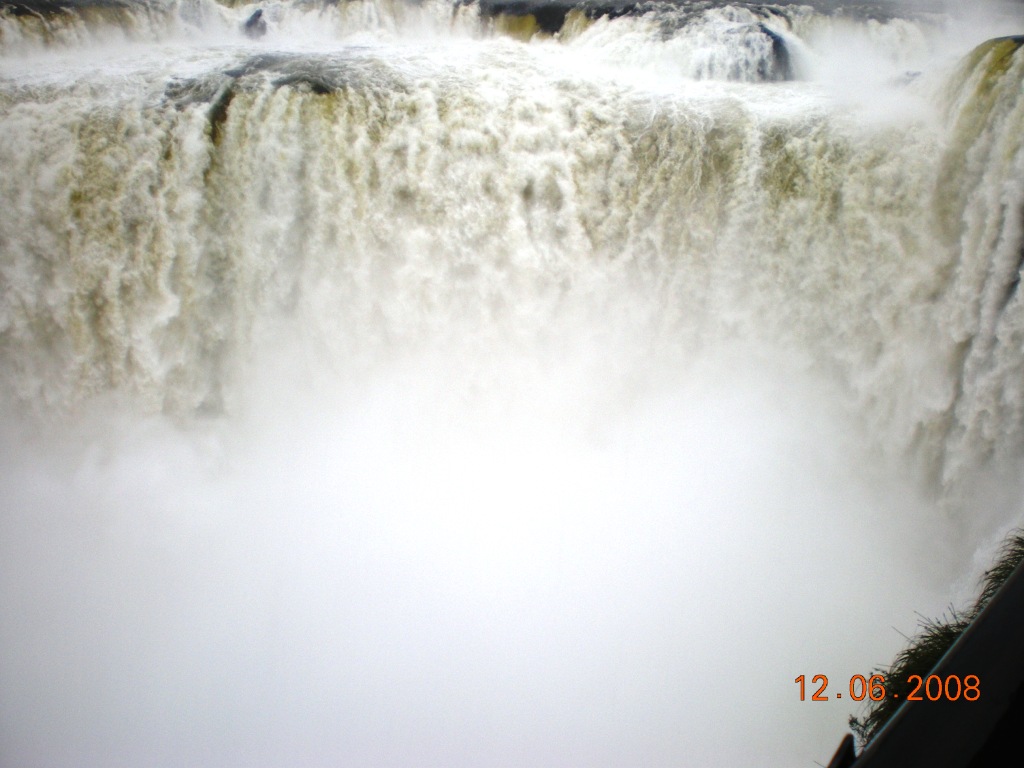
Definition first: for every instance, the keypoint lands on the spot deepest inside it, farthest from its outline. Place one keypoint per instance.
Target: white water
(513, 404)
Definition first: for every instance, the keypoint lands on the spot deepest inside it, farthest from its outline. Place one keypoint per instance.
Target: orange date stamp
(933, 688)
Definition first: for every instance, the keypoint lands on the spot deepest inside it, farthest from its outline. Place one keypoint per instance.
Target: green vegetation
(935, 637)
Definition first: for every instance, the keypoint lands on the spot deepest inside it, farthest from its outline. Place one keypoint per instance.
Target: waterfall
(466, 383)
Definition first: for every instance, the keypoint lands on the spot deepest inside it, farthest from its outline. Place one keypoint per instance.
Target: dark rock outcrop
(781, 67)
(550, 14)
(255, 26)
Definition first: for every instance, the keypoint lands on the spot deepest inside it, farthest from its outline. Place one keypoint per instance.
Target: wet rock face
(781, 67)
(550, 14)
(255, 26)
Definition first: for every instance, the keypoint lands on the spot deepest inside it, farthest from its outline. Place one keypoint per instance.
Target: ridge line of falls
(426, 384)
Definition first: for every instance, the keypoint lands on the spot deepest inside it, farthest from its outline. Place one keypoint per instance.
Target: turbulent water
(494, 385)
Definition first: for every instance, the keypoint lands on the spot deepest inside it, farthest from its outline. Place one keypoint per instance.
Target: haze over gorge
(484, 384)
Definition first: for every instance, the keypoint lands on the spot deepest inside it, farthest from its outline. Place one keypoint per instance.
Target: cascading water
(415, 386)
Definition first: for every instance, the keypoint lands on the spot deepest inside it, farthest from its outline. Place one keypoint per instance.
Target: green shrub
(933, 639)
